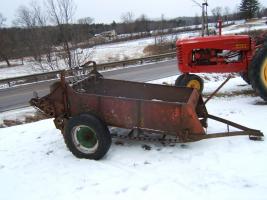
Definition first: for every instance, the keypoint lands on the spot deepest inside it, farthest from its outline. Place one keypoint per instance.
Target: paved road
(17, 97)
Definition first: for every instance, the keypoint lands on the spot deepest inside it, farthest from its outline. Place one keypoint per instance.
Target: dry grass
(8, 122)
(27, 119)
(36, 117)
(159, 48)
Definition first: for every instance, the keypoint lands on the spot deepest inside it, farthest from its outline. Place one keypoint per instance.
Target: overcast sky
(108, 10)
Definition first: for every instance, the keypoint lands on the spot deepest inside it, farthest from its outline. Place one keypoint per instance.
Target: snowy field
(100, 54)
(35, 163)
(243, 26)
(122, 50)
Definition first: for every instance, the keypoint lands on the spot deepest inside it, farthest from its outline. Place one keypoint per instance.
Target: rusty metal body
(125, 104)
(175, 111)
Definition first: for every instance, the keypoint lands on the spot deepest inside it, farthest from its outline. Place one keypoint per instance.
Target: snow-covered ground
(35, 163)
(17, 115)
(246, 27)
(212, 81)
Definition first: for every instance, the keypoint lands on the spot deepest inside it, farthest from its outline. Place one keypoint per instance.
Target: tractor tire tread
(254, 73)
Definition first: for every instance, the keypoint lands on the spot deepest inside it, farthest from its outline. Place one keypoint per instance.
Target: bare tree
(61, 13)
(226, 13)
(217, 13)
(25, 18)
(86, 20)
(38, 14)
(159, 33)
(44, 35)
(162, 27)
(5, 46)
(127, 17)
(197, 20)
(6, 42)
(142, 24)
(32, 20)
(2, 20)
(128, 20)
(264, 11)
(38, 40)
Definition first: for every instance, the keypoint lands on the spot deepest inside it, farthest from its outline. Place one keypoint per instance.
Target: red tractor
(222, 54)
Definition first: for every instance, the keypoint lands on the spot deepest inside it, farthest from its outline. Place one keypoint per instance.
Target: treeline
(22, 42)
(34, 41)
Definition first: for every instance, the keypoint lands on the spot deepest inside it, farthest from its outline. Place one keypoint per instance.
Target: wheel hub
(84, 139)
(193, 84)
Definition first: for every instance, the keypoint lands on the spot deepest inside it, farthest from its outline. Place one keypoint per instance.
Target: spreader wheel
(258, 73)
(191, 81)
(87, 137)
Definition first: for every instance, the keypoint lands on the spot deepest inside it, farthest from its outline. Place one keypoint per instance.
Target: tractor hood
(231, 42)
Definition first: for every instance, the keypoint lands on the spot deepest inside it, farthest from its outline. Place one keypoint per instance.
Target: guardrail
(8, 82)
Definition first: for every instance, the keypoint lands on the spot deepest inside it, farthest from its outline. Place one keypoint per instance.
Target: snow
(36, 164)
(100, 54)
(212, 81)
(17, 115)
(243, 27)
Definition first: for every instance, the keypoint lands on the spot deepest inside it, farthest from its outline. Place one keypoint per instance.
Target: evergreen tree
(249, 8)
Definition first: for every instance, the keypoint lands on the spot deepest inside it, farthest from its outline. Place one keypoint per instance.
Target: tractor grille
(180, 54)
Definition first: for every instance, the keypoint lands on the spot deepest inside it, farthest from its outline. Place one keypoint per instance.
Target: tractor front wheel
(258, 73)
(87, 137)
(191, 81)
(179, 79)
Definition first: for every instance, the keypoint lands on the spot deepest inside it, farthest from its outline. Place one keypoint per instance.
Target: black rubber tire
(179, 79)
(184, 81)
(255, 72)
(245, 77)
(100, 129)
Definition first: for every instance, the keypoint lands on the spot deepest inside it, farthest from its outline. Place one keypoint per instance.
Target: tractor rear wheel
(258, 73)
(245, 77)
(191, 81)
(87, 137)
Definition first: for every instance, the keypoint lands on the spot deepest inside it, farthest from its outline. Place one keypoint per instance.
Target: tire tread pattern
(254, 73)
